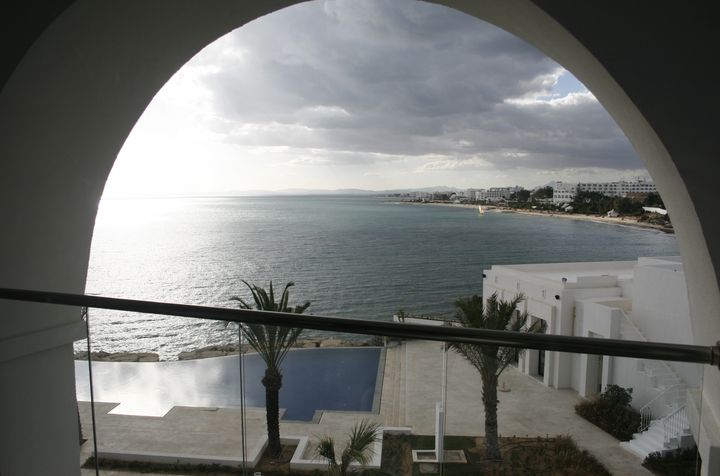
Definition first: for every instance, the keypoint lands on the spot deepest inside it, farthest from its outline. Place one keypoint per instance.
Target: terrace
(413, 370)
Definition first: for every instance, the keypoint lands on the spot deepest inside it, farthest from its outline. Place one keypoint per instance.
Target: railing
(675, 424)
(582, 345)
(646, 415)
(399, 390)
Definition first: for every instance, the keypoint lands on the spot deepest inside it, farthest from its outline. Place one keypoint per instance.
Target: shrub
(616, 396)
(681, 462)
(571, 460)
(612, 412)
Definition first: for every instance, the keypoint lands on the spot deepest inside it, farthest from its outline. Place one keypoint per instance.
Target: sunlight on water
(351, 256)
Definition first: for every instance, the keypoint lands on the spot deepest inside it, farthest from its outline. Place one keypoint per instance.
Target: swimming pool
(314, 380)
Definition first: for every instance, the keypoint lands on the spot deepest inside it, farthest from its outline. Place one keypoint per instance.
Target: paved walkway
(411, 387)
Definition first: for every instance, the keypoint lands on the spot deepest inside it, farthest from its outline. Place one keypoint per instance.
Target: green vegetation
(272, 344)
(681, 462)
(185, 468)
(612, 412)
(523, 457)
(359, 449)
(490, 360)
(594, 203)
(540, 199)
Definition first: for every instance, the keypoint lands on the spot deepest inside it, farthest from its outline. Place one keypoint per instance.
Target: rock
(211, 351)
(119, 356)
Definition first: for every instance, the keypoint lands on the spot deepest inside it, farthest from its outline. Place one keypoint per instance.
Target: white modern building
(629, 300)
(619, 189)
(495, 194)
(564, 192)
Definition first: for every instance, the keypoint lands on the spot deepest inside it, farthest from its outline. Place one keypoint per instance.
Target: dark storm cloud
(403, 78)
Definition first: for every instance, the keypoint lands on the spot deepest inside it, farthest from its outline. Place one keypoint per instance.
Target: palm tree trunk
(272, 382)
(490, 401)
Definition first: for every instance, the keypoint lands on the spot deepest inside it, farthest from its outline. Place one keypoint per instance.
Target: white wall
(661, 310)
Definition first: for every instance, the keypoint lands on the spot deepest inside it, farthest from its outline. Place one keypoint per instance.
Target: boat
(480, 210)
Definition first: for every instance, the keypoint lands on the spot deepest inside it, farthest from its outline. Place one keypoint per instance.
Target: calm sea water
(350, 256)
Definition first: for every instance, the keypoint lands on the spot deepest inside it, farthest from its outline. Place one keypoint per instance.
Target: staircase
(664, 422)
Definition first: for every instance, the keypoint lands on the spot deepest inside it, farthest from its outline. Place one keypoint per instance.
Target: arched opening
(134, 54)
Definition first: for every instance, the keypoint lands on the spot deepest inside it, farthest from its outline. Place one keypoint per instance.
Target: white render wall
(593, 301)
(661, 310)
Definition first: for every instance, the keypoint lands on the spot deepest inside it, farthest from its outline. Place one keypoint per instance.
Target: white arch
(71, 102)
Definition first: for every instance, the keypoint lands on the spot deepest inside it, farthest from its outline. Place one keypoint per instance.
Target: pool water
(314, 380)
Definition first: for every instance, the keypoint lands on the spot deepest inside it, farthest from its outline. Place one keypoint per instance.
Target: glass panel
(194, 411)
(426, 398)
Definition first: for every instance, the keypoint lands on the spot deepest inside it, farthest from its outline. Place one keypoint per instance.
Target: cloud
(454, 163)
(380, 81)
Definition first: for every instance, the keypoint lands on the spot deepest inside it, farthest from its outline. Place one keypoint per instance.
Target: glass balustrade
(407, 405)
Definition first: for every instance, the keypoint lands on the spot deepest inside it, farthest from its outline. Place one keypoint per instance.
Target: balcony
(423, 397)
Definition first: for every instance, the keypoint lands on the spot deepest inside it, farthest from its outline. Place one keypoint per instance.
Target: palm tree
(357, 450)
(272, 344)
(490, 360)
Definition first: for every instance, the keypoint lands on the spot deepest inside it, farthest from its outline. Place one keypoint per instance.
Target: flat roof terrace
(574, 273)
(411, 387)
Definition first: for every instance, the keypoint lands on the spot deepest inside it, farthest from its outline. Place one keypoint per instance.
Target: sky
(369, 94)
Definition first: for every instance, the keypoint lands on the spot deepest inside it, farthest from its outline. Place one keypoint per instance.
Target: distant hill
(340, 191)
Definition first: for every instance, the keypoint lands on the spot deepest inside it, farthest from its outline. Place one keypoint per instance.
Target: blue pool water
(339, 379)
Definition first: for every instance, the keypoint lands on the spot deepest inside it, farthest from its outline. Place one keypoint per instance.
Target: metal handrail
(673, 424)
(646, 412)
(521, 340)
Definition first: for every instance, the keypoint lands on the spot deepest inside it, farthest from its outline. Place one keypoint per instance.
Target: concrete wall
(661, 310)
(594, 319)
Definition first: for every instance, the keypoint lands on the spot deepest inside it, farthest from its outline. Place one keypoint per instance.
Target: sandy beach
(622, 221)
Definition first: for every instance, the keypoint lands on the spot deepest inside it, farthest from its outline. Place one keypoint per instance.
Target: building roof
(575, 274)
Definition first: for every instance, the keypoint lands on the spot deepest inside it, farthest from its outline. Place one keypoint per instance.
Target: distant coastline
(622, 221)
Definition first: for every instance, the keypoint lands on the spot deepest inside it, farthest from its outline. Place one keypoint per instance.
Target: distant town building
(496, 194)
(619, 189)
(564, 192)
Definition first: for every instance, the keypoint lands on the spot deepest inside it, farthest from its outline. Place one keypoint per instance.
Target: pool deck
(411, 388)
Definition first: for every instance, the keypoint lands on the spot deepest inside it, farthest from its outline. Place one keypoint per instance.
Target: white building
(618, 189)
(564, 192)
(495, 194)
(629, 300)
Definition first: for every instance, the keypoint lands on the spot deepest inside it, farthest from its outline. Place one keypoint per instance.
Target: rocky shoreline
(210, 351)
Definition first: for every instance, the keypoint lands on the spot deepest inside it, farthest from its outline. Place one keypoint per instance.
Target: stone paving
(412, 384)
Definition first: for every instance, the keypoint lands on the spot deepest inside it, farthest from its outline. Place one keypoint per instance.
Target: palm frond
(326, 449)
(359, 448)
(495, 314)
(272, 343)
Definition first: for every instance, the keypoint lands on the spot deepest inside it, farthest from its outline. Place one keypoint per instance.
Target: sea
(350, 256)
